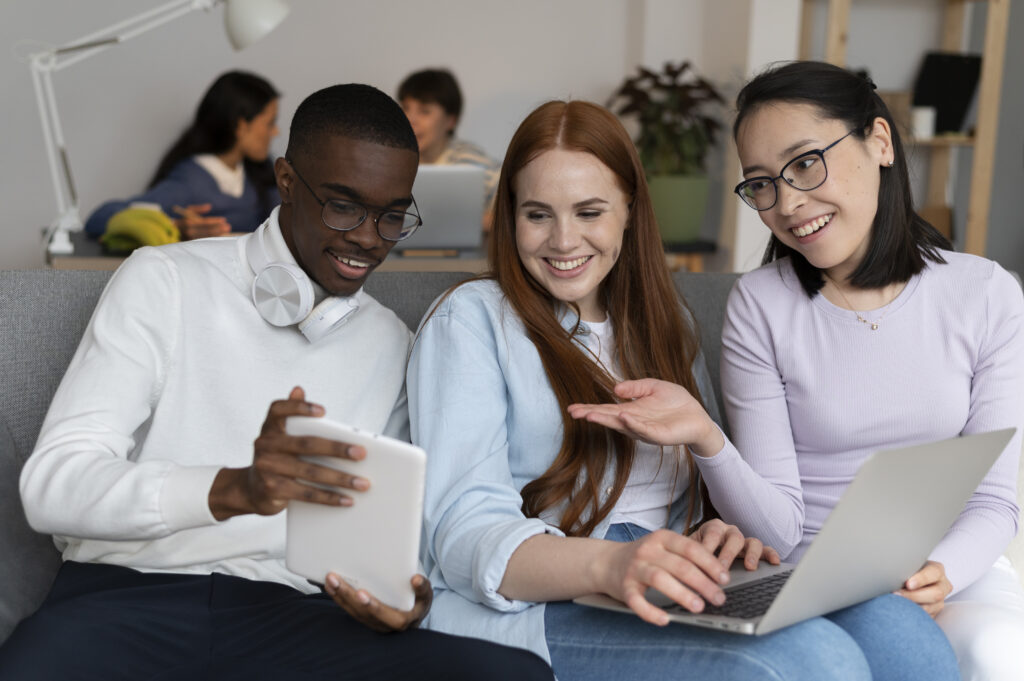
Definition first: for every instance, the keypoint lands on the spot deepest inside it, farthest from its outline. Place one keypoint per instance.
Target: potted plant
(674, 110)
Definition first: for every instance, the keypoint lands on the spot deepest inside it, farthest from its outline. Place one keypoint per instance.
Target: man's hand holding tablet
(318, 468)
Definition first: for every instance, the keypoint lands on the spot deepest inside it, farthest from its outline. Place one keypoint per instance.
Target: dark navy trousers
(108, 622)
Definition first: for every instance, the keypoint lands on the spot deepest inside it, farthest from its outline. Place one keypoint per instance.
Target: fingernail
(316, 410)
(718, 599)
(361, 483)
(363, 597)
(696, 605)
(911, 584)
(332, 584)
(724, 578)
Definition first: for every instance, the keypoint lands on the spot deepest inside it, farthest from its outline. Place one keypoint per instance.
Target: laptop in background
(451, 204)
(891, 517)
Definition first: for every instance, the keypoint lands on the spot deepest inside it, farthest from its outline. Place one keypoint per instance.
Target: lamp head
(247, 21)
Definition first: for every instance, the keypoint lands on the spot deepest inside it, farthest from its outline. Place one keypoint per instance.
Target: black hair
(359, 112)
(234, 96)
(900, 239)
(436, 86)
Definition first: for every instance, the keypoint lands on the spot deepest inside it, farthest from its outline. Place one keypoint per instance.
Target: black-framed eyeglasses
(805, 172)
(344, 215)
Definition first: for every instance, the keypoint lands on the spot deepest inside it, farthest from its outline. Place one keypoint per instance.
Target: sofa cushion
(409, 294)
(28, 561)
(706, 293)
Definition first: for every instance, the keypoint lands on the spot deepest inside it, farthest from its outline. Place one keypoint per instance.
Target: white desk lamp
(245, 21)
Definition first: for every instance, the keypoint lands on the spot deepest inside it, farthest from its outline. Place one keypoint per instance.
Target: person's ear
(285, 176)
(880, 138)
(241, 129)
(451, 120)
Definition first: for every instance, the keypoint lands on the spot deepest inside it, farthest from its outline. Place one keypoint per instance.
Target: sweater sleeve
(989, 520)
(83, 479)
(759, 492)
(458, 410)
(186, 184)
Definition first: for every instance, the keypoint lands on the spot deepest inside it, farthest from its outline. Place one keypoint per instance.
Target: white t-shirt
(659, 476)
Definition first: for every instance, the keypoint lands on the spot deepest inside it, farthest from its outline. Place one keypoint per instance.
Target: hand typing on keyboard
(689, 570)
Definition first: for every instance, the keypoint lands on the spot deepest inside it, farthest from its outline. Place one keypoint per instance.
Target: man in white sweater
(146, 471)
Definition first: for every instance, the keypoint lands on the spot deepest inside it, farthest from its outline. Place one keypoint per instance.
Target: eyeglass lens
(804, 172)
(393, 225)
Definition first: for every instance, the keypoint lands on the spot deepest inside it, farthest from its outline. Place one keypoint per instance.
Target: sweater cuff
(722, 457)
(185, 497)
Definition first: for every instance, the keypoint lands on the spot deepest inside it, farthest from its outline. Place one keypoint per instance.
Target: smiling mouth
(566, 265)
(811, 227)
(349, 261)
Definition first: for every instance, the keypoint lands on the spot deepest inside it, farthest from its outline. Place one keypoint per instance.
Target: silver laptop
(451, 203)
(890, 518)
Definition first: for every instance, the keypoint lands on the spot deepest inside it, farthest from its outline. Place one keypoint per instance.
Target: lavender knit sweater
(810, 391)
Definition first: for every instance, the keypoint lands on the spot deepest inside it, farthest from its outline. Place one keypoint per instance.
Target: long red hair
(652, 337)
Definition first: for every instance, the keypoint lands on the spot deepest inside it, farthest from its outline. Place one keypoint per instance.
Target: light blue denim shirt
(481, 406)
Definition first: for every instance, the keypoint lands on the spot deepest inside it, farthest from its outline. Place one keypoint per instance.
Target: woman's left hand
(728, 543)
(657, 412)
(928, 587)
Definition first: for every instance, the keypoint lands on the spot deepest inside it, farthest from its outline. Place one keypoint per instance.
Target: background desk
(89, 255)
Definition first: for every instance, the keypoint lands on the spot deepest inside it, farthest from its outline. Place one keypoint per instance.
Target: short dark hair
(433, 86)
(356, 111)
(901, 240)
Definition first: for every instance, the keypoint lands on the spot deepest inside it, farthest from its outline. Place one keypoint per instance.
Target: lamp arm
(43, 65)
(98, 41)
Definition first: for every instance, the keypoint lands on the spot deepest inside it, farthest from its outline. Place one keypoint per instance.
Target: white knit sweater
(171, 382)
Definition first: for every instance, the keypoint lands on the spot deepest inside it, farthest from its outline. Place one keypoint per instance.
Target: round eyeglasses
(344, 215)
(805, 172)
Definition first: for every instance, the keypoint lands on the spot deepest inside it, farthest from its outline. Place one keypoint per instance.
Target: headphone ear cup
(282, 294)
(327, 316)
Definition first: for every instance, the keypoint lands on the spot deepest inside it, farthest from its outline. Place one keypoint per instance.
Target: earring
(892, 163)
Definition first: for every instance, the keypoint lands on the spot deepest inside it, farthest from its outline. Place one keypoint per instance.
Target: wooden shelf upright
(989, 88)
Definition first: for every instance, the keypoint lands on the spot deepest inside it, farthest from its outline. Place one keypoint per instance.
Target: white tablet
(373, 544)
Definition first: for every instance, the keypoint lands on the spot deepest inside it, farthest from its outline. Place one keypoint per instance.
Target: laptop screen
(451, 203)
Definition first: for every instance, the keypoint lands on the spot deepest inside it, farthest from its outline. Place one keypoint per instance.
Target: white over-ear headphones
(283, 294)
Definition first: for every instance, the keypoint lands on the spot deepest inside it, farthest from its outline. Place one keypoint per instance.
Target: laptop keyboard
(749, 600)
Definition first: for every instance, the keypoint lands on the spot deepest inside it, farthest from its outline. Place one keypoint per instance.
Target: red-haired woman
(527, 508)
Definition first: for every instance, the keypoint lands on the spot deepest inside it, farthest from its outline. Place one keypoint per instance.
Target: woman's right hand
(657, 412)
(680, 567)
(195, 224)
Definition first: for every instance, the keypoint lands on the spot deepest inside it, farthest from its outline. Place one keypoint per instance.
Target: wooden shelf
(944, 141)
(989, 89)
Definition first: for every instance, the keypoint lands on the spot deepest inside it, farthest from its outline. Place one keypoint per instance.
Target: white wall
(122, 108)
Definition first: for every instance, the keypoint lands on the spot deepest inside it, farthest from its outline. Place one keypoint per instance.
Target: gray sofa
(42, 316)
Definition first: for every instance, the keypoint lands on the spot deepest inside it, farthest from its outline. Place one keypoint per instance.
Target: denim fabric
(885, 639)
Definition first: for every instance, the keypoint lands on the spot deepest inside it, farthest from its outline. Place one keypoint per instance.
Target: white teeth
(353, 263)
(812, 226)
(566, 265)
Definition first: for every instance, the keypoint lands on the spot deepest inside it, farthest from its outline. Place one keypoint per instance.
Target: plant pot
(679, 204)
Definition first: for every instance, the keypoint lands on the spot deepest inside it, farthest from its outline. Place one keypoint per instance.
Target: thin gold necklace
(860, 318)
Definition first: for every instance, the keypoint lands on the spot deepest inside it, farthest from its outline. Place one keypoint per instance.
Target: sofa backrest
(43, 314)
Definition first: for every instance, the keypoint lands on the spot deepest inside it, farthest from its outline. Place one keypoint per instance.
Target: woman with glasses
(527, 508)
(863, 330)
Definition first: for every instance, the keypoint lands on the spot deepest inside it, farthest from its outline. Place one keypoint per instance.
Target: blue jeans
(885, 638)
